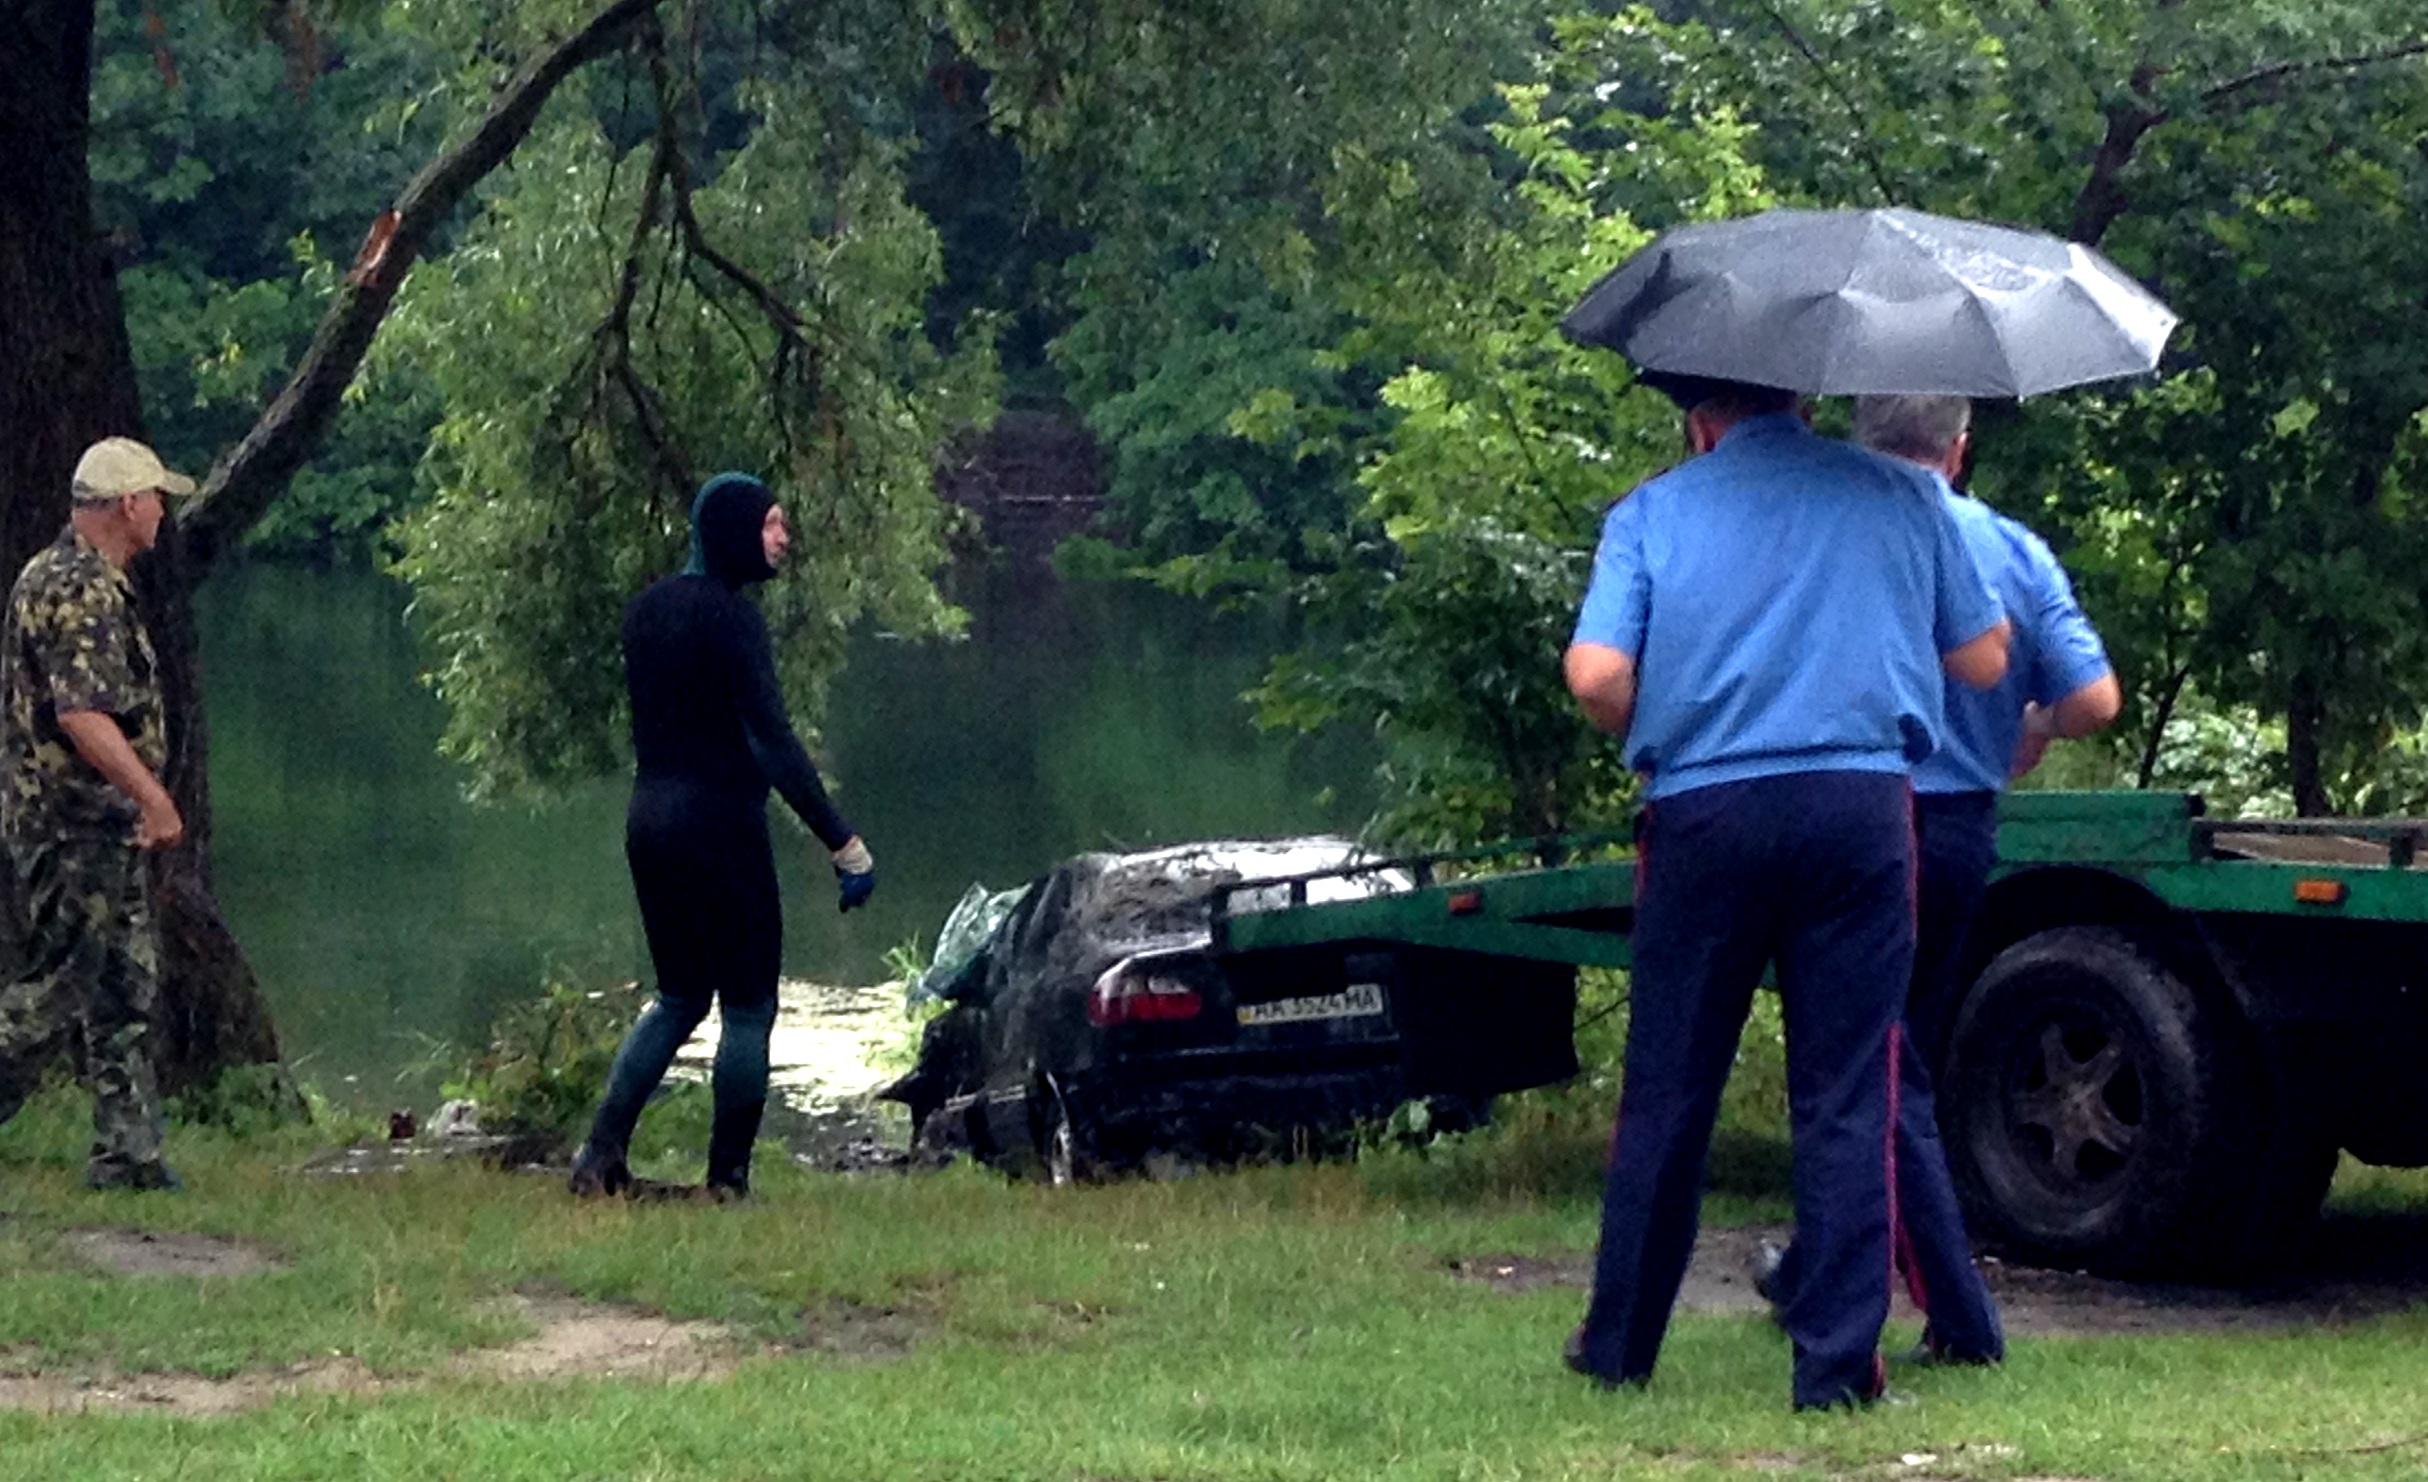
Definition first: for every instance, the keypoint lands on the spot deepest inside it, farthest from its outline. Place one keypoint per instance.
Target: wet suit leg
(740, 1085)
(704, 873)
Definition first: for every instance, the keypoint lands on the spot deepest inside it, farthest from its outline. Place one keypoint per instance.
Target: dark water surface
(386, 916)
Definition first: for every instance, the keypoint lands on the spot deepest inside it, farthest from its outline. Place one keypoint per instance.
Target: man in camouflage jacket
(83, 742)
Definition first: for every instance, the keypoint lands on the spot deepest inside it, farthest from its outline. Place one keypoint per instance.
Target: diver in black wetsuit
(710, 735)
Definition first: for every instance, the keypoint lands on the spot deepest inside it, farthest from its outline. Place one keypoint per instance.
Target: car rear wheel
(2098, 1112)
(1065, 1147)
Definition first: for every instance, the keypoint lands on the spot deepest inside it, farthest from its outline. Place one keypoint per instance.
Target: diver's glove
(855, 875)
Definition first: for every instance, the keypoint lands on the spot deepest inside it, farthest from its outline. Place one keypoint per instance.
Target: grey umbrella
(1841, 303)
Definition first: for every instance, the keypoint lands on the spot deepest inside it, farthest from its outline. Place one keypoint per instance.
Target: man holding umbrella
(1765, 626)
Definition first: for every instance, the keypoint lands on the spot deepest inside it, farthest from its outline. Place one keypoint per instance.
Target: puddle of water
(829, 1053)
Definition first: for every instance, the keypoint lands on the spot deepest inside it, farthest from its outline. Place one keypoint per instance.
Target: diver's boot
(114, 1172)
(598, 1171)
(731, 1136)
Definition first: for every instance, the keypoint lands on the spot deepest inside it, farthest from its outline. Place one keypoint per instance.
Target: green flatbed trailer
(2169, 1025)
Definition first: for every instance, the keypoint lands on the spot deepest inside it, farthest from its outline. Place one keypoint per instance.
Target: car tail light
(1125, 997)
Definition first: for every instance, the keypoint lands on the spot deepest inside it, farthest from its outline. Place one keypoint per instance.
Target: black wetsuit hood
(726, 524)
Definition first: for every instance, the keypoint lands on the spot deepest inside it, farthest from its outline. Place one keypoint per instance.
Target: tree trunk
(2305, 723)
(67, 379)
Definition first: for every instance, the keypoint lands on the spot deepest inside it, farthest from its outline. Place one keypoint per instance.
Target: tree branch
(795, 352)
(244, 484)
(2102, 199)
(665, 162)
(2280, 70)
(1859, 131)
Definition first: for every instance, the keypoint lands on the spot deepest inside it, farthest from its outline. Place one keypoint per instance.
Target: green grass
(1277, 1323)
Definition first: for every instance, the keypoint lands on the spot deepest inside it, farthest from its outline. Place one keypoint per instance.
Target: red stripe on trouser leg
(1900, 1234)
(1899, 1243)
(1643, 853)
(1900, 1239)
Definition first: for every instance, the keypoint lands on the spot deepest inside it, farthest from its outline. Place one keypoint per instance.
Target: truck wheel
(2089, 1105)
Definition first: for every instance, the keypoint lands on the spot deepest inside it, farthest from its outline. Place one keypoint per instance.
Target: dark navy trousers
(1956, 836)
(1812, 872)
(1956, 841)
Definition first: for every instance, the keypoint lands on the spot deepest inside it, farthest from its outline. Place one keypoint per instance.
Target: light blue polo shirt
(1786, 598)
(2055, 652)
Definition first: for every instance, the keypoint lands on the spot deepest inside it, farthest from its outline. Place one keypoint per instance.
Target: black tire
(2099, 1113)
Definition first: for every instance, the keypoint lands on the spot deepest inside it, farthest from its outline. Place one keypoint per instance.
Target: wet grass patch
(1272, 1323)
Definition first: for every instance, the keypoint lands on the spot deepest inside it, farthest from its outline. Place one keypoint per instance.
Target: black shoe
(154, 1176)
(1930, 1353)
(1767, 1270)
(1876, 1392)
(597, 1172)
(1572, 1353)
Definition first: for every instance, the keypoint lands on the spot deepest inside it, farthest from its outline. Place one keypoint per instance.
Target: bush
(244, 1100)
(1553, 1143)
(547, 1059)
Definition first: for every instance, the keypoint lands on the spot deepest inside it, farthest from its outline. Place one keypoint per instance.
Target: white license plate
(1354, 1001)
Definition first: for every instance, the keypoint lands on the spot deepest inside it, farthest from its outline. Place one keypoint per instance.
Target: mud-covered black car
(1096, 1026)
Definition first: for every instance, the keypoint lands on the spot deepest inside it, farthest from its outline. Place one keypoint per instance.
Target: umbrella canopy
(1844, 303)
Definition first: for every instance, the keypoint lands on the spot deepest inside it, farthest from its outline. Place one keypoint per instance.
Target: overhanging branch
(2280, 71)
(2102, 199)
(244, 484)
(1859, 121)
(798, 358)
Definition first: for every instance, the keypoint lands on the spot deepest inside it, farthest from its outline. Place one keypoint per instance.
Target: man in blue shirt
(1766, 626)
(2058, 684)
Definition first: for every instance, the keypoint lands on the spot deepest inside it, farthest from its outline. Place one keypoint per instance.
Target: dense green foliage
(1299, 266)
(234, 172)
(562, 481)
(2248, 527)
(2245, 529)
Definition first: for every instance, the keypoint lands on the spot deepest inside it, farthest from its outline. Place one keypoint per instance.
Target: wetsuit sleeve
(767, 727)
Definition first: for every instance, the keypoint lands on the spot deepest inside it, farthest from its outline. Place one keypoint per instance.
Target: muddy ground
(569, 1337)
(2354, 1268)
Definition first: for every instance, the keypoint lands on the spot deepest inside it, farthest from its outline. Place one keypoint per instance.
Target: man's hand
(159, 826)
(97, 739)
(2039, 729)
(855, 875)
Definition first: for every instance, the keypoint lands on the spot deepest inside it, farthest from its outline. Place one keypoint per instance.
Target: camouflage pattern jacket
(72, 642)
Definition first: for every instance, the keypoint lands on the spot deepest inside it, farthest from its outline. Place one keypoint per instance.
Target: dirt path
(570, 1338)
(2356, 1268)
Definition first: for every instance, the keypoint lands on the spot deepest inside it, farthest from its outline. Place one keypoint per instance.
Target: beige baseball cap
(118, 466)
